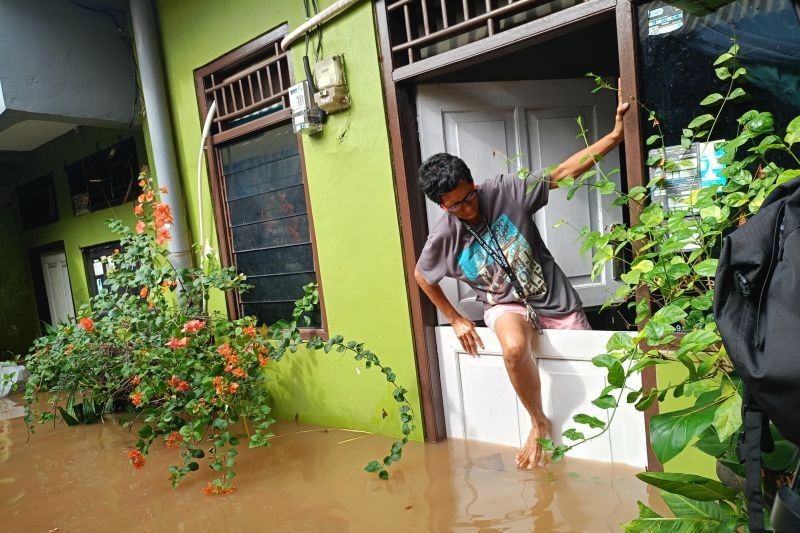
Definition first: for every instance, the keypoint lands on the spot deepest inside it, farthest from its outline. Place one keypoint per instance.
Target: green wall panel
(352, 200)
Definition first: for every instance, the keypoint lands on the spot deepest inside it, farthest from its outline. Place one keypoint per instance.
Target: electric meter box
(306, 117)
(332, 92)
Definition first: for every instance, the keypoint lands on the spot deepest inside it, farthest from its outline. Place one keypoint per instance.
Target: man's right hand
(467, 334)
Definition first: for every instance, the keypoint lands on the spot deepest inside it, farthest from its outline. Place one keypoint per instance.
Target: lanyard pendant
(533, 318)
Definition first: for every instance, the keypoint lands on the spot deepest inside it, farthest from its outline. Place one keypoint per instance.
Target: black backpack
(757, 309)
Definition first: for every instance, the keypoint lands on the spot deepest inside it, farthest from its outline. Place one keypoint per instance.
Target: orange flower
(136, 380)
(225, 350)
(136, 458)
(140, 227)
(140, 198)
(162, 214)
(262, 360)
(239, 372)
(173, 439)
(232, 388)
(142, 183)
(148, 196)
(162, 235)
(163, 190)
(219, 384)
(167, 283)
(174, 343)
(250, 331)
(176, 383)
(216, 489)
(69, 348)
(138, 210)
(193, 326)
(136, 399)
(144, 292)
(87, 324)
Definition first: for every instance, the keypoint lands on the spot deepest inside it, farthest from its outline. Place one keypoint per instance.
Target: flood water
(311, 479)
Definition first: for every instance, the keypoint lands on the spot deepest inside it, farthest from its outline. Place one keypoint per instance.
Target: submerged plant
(672, 270)
(147, 345)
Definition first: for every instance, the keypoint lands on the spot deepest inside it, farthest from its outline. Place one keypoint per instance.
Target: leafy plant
(673, 265)
(193, 380)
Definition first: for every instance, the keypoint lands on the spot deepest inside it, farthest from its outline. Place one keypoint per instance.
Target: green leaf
(684, 507)
(652, 139)
(699, 121)
(706, 268)
(728, 417)
(722, 73)
(669, 315)
(605, 402)
(793, 132)
(620, 341)
(145, 431)
(373, 466)
(711, 99)
(652, 215)
(689, 485)
(723, 58)
(787, 175)
(671, 432)
(383, 474)
(708, 442)
(573, 434)
(738, 92)
(591, 421)
(616, 374)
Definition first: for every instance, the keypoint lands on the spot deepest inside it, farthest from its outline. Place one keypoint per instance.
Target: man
(488, 240)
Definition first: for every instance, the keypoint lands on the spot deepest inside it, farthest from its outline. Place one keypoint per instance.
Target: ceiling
(30, 134)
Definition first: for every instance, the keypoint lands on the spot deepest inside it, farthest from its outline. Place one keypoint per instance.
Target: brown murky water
(79, 479)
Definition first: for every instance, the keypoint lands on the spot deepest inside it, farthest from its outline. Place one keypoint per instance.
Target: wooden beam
(539, 30)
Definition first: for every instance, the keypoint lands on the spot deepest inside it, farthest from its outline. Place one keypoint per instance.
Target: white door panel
(505, 126)
(481, 404)
(59, 292)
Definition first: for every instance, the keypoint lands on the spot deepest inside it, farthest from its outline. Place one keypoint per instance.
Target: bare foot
(531, 454)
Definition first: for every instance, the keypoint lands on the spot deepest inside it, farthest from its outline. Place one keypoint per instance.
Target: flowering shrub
(147, 344)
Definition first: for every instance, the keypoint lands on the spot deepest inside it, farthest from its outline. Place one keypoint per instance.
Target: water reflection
(79, 479)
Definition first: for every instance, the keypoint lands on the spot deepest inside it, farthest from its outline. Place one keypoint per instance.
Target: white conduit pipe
(205, 248)
(321, 17)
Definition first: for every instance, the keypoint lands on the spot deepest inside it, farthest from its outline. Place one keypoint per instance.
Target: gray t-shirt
(452, 251)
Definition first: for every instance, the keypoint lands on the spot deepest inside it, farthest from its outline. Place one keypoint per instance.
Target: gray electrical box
(332, 93)
(306, 117)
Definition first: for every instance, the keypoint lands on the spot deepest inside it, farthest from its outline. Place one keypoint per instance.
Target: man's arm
(464, 328)
(582, 161)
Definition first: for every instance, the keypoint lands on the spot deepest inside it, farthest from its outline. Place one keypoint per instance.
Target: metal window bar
(242, 91)
(413, 27)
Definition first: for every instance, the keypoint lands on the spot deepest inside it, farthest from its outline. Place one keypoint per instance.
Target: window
(257, 179)
(96, 270)
(37, 202)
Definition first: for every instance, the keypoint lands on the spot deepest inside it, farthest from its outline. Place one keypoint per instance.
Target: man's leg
(516, 337)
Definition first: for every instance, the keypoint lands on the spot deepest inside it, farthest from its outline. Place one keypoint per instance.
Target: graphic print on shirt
(482, 270)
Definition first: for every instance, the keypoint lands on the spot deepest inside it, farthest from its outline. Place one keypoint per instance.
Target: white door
(56, 282)
(481, 404)
(503, 127)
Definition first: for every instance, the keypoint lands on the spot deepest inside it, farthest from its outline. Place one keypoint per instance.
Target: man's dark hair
(440, 173)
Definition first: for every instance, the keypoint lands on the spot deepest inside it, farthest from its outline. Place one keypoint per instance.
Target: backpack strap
(753, 422)
(755, 437)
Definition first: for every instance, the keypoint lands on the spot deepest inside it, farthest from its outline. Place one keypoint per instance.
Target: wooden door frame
(404, 145)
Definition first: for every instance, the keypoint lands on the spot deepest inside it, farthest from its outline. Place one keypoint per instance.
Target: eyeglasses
(456, 207)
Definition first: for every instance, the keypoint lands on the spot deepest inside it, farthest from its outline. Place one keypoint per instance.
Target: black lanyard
(497, 254)
(500, 258)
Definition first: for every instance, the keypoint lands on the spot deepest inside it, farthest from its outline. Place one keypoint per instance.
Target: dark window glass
(96, 270)
(105, 178)
(268, 218)
(37, 202)
(678, 45)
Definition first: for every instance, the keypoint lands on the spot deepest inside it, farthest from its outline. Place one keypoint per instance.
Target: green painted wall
(352, 199)
(691, 459)
(18, 318)
(75, 231)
